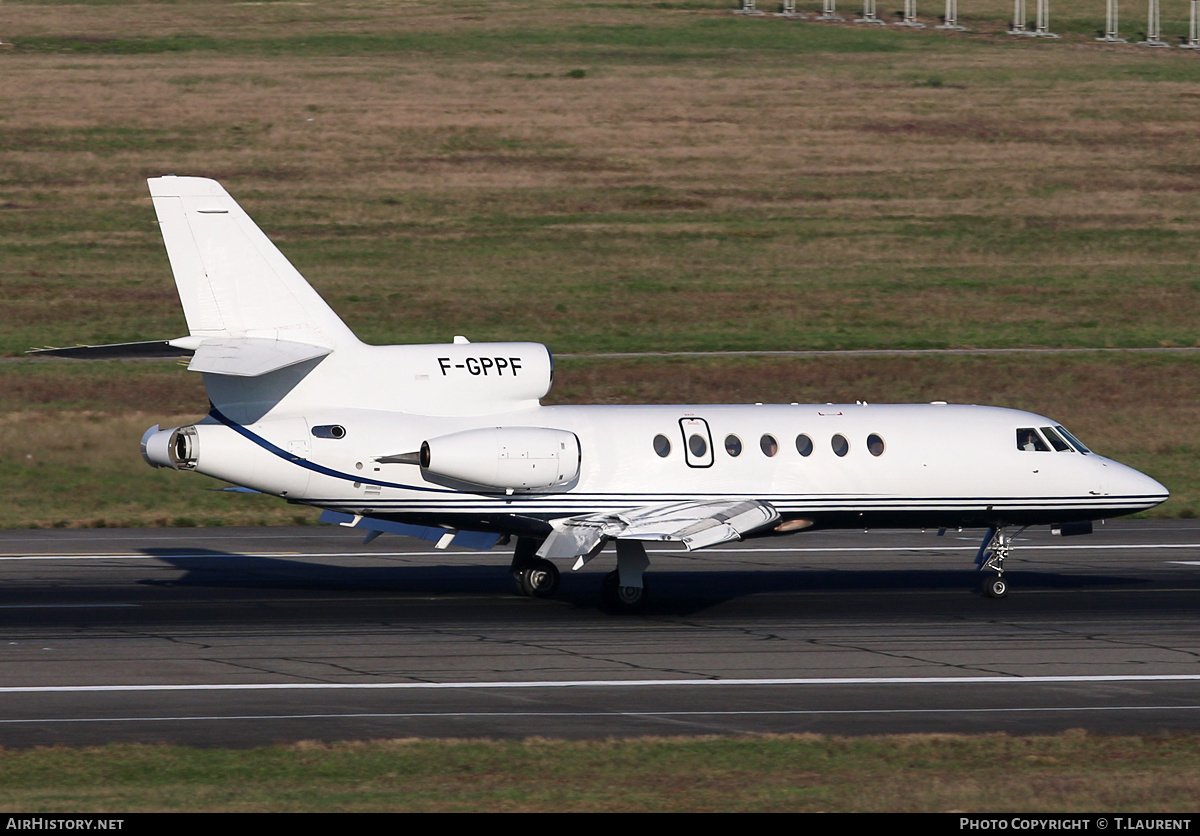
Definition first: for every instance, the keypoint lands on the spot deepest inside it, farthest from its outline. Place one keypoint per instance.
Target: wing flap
(478, 540)
(695, 524)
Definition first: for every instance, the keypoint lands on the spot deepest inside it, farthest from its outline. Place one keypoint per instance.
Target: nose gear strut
(995, 548)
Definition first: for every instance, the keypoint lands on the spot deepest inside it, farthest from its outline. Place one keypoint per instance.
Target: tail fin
(233, 282)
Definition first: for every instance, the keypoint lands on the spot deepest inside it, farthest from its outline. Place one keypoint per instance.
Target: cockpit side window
(1074, 441)
(1028, 439)
(1056, 441)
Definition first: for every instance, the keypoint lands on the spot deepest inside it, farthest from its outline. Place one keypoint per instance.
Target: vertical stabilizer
(233, 282)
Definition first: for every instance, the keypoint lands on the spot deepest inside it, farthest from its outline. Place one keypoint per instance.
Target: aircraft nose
(1139, 488)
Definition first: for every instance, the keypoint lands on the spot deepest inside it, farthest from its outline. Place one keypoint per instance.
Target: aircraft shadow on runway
(672, 591)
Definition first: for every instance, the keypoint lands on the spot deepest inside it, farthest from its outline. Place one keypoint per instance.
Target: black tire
(539, 580)
(621, 598)
(996, 588)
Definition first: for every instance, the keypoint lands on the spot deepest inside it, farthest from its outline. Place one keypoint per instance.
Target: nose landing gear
(995, 548)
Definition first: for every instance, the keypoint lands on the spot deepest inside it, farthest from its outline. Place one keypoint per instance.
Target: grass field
(604, 177)
(1068, 773)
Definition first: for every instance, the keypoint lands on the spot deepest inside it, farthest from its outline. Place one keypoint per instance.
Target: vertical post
(951, 21)
(748, 8)
(1193, 41)
(788, 10)
(1019, 19)
(1111, 24)
(829, 11)
(1153, 27)
(1043, 20)
(910, 15)
(869, 15)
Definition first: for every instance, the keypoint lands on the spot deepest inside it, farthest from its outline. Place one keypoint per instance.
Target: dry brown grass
(387, 122)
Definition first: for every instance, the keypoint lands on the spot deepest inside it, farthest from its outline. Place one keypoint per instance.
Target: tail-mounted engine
(504, 458)
(176, 448)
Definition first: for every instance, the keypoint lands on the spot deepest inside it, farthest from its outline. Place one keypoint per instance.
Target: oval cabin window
(804, 445)
(840, 445)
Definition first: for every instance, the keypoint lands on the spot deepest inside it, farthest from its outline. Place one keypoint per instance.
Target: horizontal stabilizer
(151, 350)
(251, 356)
(479, 540)
(238, 356)
(695, 524)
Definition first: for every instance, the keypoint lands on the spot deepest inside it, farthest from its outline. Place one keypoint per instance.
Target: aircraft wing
(695, 524)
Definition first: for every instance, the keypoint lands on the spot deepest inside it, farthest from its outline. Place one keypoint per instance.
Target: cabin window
(840, 445)
(697, 442)
(1075, 441)
(769, 445)
(662, 446)
(1028, 439)
(733, 445)
(1055, 440)
(875, 444)
(804, 445)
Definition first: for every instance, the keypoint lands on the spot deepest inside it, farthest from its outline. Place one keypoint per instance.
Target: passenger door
(697, 442)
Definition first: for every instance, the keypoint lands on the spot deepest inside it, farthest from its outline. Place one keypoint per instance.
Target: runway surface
(242, 637)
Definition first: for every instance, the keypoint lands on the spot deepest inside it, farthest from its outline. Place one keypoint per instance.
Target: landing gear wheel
(538, 580)
(996, 588)
(623, 598)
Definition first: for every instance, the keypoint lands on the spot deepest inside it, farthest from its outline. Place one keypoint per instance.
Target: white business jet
(450, 442)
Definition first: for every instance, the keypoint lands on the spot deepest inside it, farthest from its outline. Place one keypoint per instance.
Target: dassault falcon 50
(450, 442)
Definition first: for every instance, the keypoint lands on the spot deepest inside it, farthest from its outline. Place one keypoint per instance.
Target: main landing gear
(535, 577)
(622, 590)
(995, 548)
(617, 597)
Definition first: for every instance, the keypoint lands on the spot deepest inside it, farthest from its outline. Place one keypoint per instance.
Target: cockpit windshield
(1055, 440)
(1061, 441)
(1078, 445)
(1028, 439)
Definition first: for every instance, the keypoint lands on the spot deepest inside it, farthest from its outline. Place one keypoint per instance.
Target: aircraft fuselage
(836, 465)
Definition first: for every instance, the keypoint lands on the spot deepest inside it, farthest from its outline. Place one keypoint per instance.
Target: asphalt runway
(243, 637)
